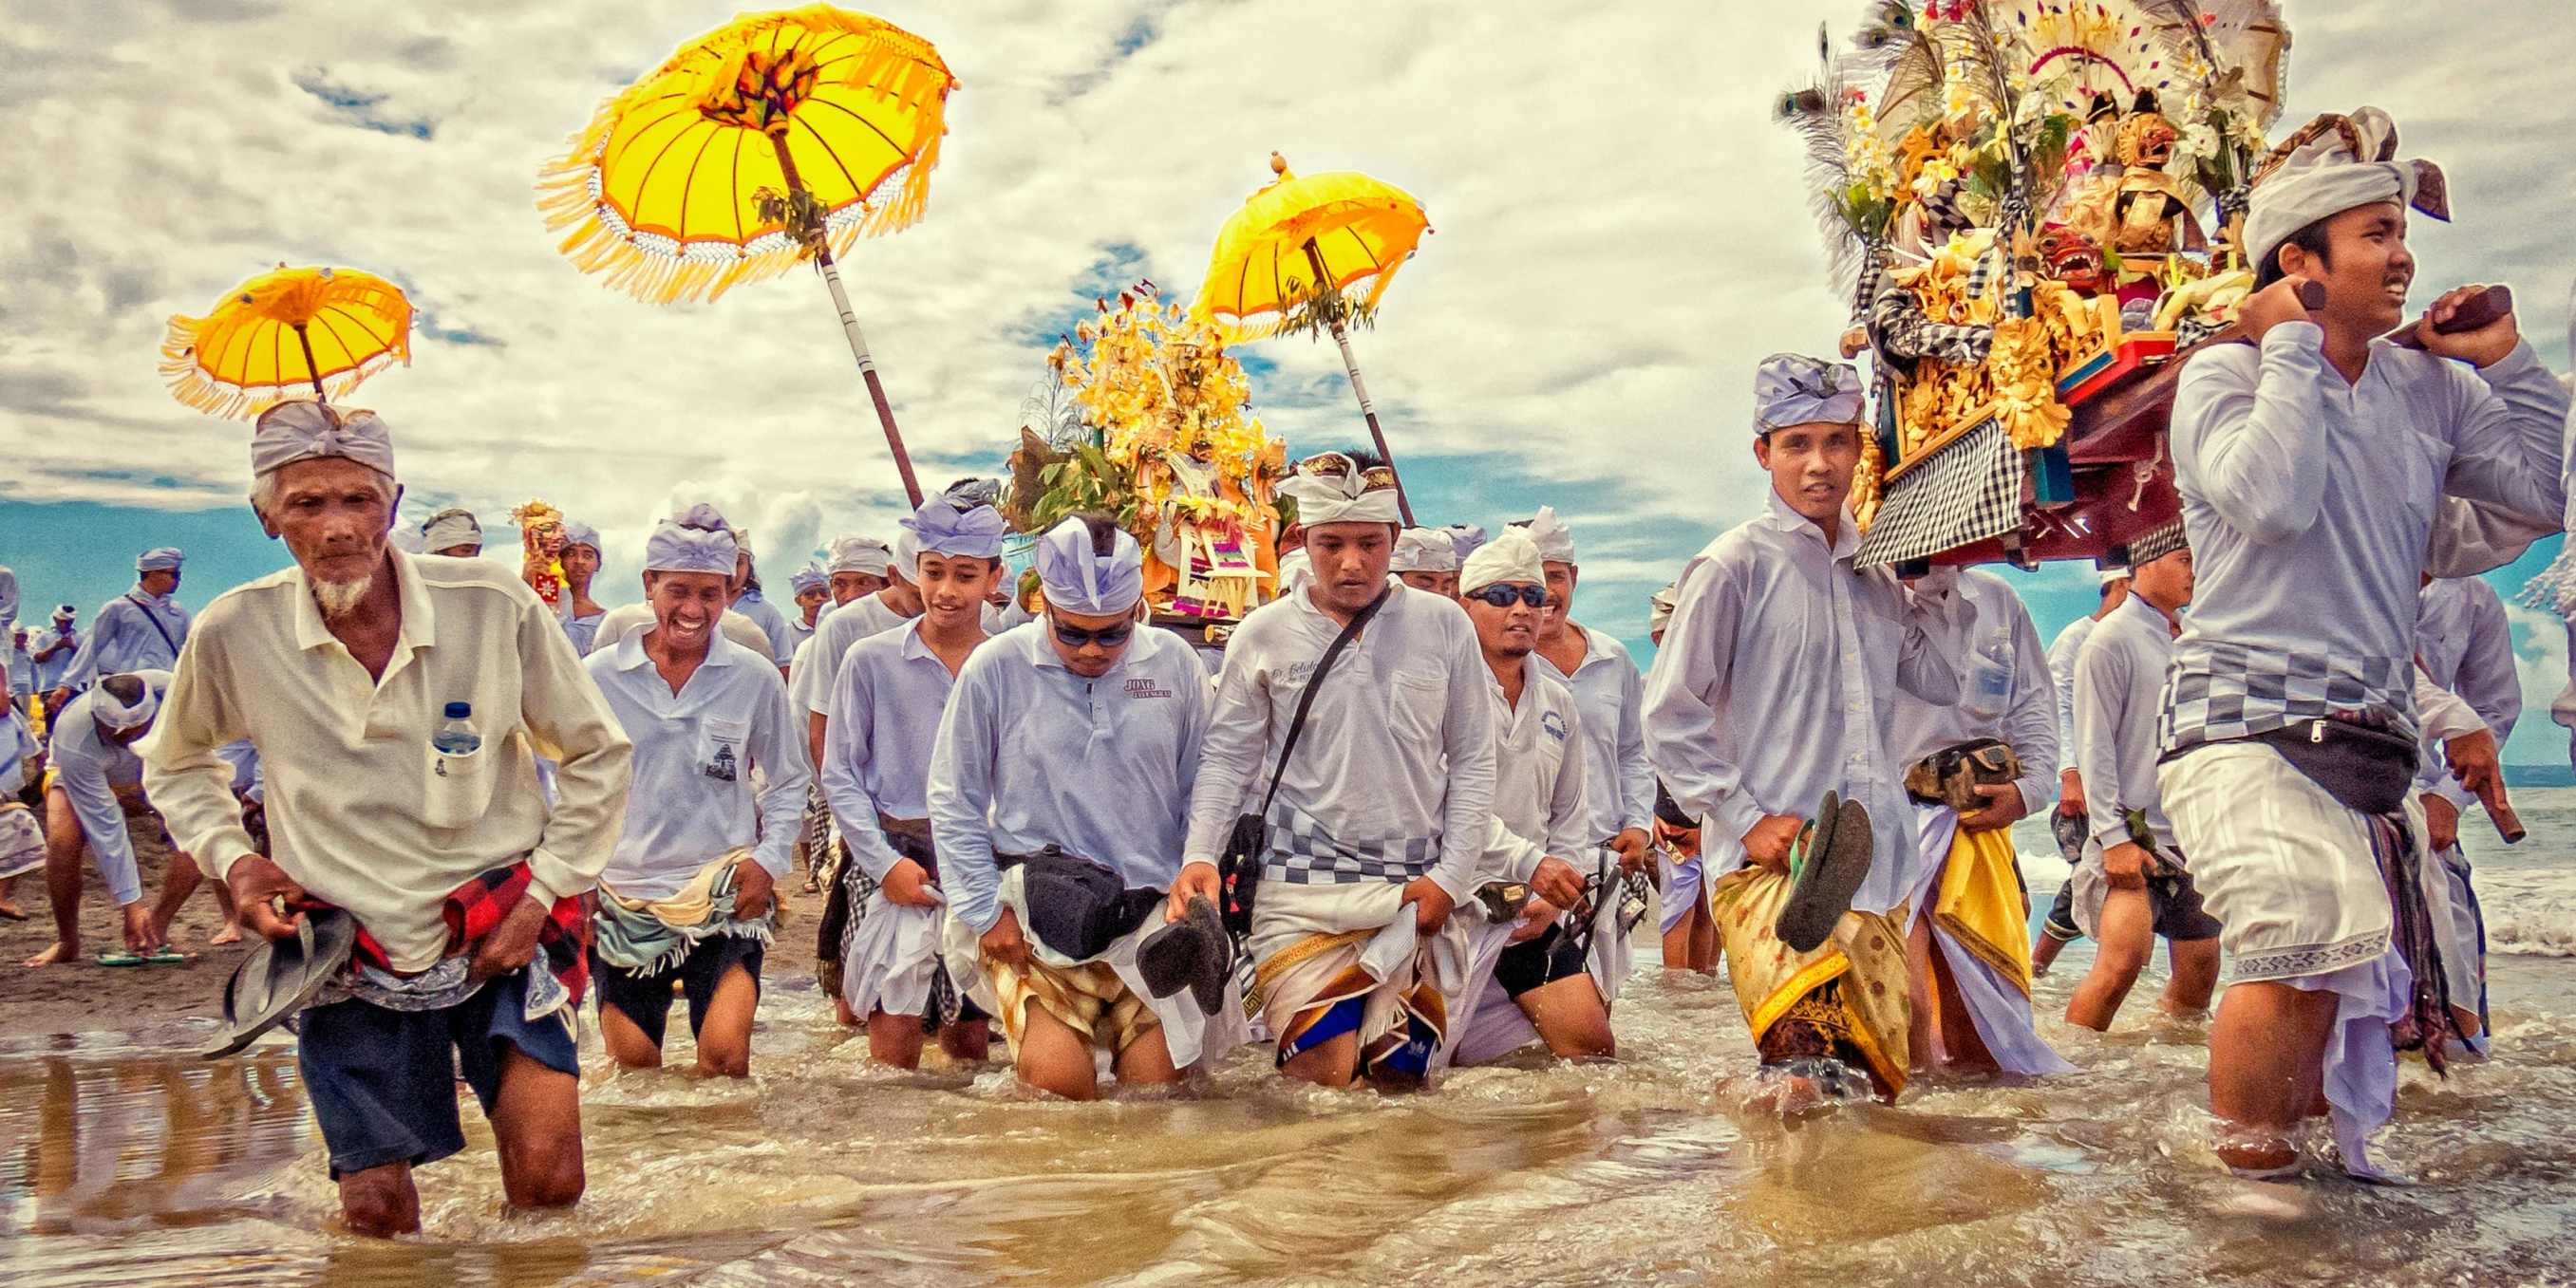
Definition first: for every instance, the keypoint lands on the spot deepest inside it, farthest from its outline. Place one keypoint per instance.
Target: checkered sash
(1300, 853)
(2217, 691)
(1969, 490)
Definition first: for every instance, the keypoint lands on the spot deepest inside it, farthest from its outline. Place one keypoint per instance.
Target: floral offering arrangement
(2030, 202)
(1156, 431)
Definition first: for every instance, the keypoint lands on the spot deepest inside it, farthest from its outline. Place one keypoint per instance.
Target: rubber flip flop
(278, 976)
(1192, 953)
(118, 957)
(165, 955)
(1836, 861)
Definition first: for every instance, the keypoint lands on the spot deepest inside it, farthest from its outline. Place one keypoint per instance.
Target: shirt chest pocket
(1417, 702)
(457, 791)
(722, 755)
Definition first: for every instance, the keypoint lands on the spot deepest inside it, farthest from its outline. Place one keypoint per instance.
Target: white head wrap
(907, 556)
(1091, 585)
(1423, 550)
(1511, 557)
(163, 559)
(673, 548)
(810, 577)
(2332, 165)
(1555, 540)
(406, 538)
(65, 613)
(1659, 607)
(2112, 574)
(304, 430)
(578, 533)
(1350, 498)
(451, 528)
(859, 554)
(119, 716)
(1464, 538)
(1791, 389)
(941, 527)
(703, 516)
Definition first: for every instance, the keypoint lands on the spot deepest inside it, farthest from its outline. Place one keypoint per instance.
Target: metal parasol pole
(311, 368)
(1367, 409)
(849, 321)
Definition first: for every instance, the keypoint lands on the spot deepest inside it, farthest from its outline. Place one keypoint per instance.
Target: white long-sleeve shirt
(772, 623)
(1777, 680)
(879, 739)
(1394, 775)
(692, 800)
(2119, 689)
(132, 632)
(2061, 667)
(1540, 796)
(816, 668)
(2464, 643)
(2028, 722)
(89, 769)
(363, 810)
(1618, 779)
(1030, 754)
(2310, 502)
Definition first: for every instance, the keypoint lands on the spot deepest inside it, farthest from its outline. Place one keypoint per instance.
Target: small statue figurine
(541, 543)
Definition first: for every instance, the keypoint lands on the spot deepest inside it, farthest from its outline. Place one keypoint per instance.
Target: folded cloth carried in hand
(652, 936)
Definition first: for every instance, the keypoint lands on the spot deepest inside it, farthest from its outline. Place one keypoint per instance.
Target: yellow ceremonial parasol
(268, 338)
(1291, 258)
(758, 145)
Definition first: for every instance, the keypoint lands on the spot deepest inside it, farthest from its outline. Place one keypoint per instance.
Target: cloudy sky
(1619, 235)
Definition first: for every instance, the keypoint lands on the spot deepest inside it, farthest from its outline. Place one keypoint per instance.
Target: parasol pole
(822, 248)
(1352, 365)
(311, 368)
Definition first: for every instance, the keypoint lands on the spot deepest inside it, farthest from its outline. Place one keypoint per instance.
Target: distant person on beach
(93, 794)
(52, 651)
(813, 588)
(140, 630)
(687, 898)
(453, 533)
(397, 703)
(2066, 823)
(581, 613)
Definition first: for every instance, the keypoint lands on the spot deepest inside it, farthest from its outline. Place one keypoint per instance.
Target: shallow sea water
(126, 1161)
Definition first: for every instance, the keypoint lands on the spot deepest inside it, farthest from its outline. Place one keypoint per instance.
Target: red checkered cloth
(476, 909)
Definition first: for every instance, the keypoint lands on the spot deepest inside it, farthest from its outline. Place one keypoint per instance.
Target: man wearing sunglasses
(1532, 973)
(1069, 747)
(1610, 691)
(1776, 684)
(1379, 818)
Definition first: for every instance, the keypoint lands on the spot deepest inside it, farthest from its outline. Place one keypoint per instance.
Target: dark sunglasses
(1076, 637)
(1502, 596)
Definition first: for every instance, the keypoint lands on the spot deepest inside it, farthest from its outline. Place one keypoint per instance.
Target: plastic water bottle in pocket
(457, 736)
(1990, 677)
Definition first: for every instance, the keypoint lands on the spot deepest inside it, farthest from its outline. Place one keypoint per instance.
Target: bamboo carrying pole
(849, 322)
(1368, 410)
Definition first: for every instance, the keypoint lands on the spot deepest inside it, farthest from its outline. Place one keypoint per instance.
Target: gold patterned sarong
(1980, 903)
(1850, 992)
(1090, 999)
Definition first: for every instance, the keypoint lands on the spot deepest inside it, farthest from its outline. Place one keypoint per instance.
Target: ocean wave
(2530, 913)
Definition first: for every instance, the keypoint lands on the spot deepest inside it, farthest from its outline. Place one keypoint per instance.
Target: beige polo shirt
(362, 810)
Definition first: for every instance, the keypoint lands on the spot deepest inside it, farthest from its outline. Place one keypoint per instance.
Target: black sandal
(1834, 861)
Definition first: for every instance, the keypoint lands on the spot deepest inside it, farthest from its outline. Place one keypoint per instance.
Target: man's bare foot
(230, 934)
(60, 952)
(9, 908)
(140, 934)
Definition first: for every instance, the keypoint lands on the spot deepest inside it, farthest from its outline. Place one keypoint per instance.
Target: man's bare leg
(1571, 1018)
(1052, 1057)
(1335, 1062)
(967, 1040)
(380, 1201)
(2267, 1052)
(625, 1041)
(2194, 963)
(724, 1040)
(1954, 1030)
(1920, 996)
(536, 1124)
(1703, 949)
(2044, 951)
(9, 900)
(63, 842)
(894, 1039)
(2124, 938)
(179, 880)
(1147, 1062)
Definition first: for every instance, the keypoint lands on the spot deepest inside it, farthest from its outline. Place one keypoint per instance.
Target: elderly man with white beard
(397, 704)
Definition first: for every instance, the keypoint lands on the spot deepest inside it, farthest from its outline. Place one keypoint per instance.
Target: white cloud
(1620, 234)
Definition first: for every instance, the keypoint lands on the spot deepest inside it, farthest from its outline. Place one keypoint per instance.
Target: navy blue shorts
(646, 999)
(383, 1083)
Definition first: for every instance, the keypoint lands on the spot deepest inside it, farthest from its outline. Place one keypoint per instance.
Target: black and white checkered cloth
(1299, 853)
(2216, 692)
(1967, 491)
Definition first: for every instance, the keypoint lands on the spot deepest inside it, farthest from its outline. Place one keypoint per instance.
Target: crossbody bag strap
(157, 627)
(1306, 700)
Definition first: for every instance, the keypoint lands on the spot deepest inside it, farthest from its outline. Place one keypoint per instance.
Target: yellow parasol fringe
(282, 299)
(910, 73)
